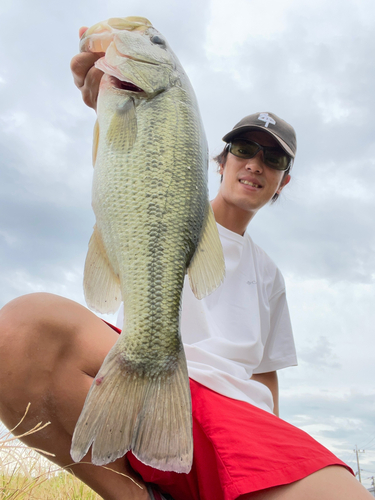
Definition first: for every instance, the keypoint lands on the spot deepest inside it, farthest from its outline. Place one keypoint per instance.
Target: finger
(82, 30)
(81, 64)
(90, 88)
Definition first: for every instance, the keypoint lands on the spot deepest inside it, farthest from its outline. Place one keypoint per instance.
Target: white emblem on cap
(265, 117)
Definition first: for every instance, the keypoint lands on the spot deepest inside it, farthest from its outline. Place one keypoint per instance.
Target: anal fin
(207, 267)
(100, 284)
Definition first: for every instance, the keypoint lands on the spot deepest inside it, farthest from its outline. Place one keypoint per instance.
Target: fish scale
(154, 223)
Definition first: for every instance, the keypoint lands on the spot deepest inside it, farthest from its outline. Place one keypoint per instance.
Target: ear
(284, 182)
(221, 169)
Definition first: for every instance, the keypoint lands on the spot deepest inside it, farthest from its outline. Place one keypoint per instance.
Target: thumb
(82, 30)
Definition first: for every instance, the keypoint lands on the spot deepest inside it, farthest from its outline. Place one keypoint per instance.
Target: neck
(230, 216)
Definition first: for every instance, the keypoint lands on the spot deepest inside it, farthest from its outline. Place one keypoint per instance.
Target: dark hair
(221, 160)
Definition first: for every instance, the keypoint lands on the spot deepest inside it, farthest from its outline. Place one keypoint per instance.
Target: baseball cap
(271, 123)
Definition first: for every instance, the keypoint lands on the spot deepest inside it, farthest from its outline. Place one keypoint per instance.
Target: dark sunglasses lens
(276, 160)
(244, 149)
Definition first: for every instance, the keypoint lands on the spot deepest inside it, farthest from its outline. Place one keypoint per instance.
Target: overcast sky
(311, 63)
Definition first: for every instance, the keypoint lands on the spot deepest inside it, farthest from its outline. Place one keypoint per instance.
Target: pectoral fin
(122, 131)
(207, 267)
(100, 284)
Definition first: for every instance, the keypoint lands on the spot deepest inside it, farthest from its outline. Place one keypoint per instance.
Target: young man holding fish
(235, 341)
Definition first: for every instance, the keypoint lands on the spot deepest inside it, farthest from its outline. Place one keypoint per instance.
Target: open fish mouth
(124, 85)
(118, 80)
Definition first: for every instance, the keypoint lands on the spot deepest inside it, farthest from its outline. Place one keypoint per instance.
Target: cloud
(320, 353)
(339, 422)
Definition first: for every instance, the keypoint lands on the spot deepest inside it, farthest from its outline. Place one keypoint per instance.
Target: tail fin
(149, 415)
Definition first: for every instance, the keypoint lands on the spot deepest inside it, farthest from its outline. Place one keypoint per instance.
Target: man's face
(249, 184)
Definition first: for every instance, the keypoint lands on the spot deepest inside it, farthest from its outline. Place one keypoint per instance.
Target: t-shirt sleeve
(120, 317)
(279, 349)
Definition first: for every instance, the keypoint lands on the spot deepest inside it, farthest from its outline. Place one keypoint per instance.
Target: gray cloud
(337, 421)
(320, 353)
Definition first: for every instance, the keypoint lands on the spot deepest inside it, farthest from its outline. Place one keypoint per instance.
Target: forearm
(270, 380)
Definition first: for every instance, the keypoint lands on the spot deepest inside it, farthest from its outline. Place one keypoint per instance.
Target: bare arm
(270, 380)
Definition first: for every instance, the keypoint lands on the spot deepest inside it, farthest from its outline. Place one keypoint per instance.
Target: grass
(26, 475)
(61, 487)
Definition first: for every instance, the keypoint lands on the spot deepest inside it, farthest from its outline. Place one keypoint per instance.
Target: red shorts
(238, 449)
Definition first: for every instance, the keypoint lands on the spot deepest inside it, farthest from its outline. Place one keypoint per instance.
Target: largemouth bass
(154, 223)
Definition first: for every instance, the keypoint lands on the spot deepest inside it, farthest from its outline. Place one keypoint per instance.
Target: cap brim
(233, 133)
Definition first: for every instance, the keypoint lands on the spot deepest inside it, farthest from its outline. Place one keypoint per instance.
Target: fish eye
(156, 39)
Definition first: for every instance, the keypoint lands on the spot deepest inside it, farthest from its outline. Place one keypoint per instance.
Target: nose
(255, 164)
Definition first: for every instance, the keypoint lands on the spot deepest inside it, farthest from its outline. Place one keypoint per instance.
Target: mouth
(249, 183)
(116, 77)
(124, 85)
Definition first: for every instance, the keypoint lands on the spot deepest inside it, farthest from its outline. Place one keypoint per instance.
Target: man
(51, 349)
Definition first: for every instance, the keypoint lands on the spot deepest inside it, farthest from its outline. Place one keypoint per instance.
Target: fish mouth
(117, 79)
(124, 85)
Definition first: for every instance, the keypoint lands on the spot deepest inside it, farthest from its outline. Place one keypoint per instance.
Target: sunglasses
(272, 157)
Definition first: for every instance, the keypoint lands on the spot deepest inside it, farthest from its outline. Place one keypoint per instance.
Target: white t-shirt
(242, 328)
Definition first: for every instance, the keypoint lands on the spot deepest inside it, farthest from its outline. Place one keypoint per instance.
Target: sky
(310, 63)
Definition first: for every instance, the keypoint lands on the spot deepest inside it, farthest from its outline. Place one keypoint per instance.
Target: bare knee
(38, 314)
(35, 331)
(39, 320)
(31, 327)
(46, 341)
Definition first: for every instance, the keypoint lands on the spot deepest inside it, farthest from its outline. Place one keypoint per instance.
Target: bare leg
(330, 483)
(50, 350)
